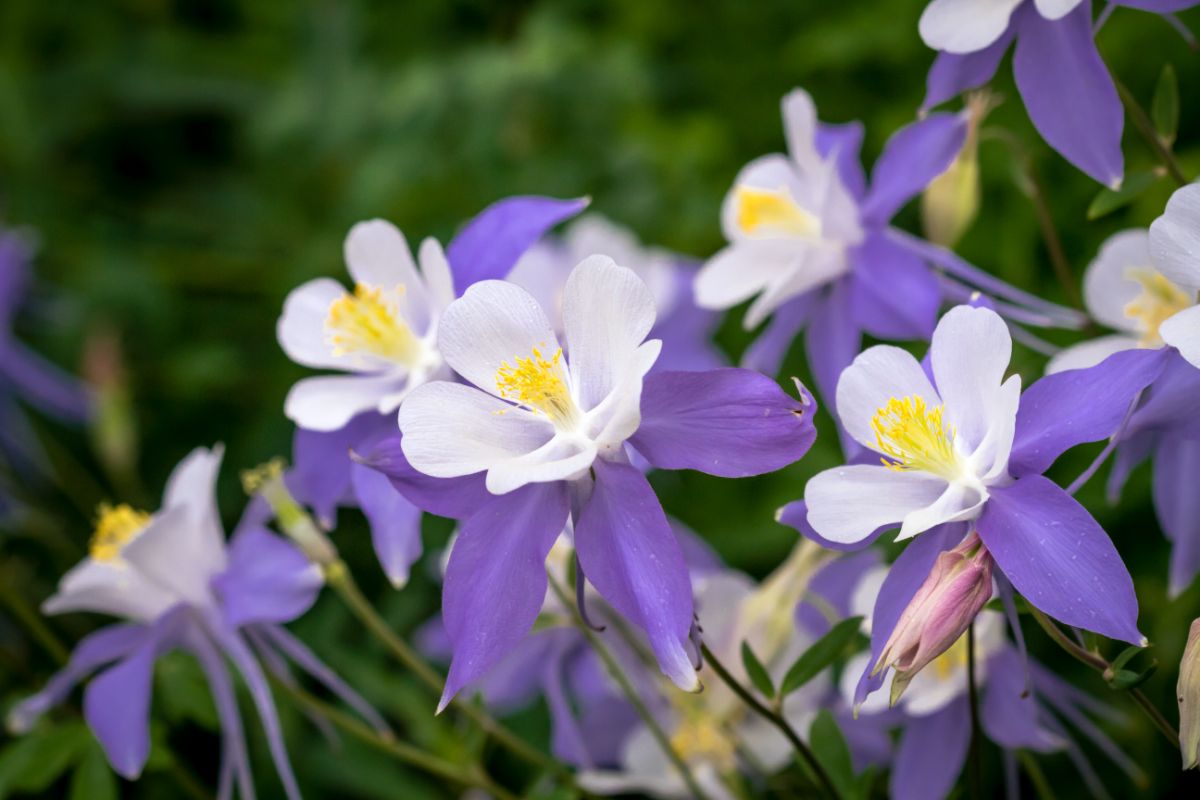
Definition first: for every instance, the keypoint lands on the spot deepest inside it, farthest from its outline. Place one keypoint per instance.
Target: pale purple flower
(1067, 89)
(963, 444)
(176, 585)
(324, 475)
(544, 432)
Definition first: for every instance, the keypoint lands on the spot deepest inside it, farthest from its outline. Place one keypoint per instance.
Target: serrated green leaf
(757, 672)
(33, 762)
(92, 779)
(1109, 200)
(820, 655)
(829, 746)
(1164, 109)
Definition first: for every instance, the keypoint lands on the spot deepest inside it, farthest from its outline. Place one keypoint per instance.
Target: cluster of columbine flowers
(524, 385)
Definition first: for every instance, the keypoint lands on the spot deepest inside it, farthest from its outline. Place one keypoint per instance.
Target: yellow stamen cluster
(1159, 301)
(115, 525)
(368, 321)
(955, 658)
(913, 437)
(700, 738)
(537, 383)
(773, 212)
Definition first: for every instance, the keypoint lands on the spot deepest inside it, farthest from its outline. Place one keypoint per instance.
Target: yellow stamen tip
(773, 212)
(369, 322)
(912, 436)
(537, 383)
(115, 526)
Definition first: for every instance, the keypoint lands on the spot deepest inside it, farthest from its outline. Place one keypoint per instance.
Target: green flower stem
(1141, 121)
(622, 680)
(1101, 665)
(775, 718)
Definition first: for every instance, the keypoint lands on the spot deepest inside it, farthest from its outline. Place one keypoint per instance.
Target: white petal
(1182, 331)
(377, 254)
(435, 270)
(990, 458)
(542, 271)
(877, 375)
(109, 587)
(742, 270)
(1107, 288)
(964, 26)
(862, 599)
(800, 128)
(171, 553)
(193, 488)
(1089, 353)
(877, 701)
(616, 418)
(956, 504)
(328, 402)
(969, 354)
(814, 265)
(1175, 238)
(644, 768)
(492, 323)
(1055, 9)
(451, 430)
(847, 504)
(607, 312)
(565, 457)
(773, 173)
(301, 327)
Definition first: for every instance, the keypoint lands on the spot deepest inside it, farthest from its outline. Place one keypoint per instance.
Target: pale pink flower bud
(958, 586)
(1187, 691)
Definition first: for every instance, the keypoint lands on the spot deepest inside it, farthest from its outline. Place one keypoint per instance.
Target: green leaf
(1164, 109)
(820, 655)
(93, 780)
(33, 762)
(757, 672)
(1125, 679)
(1109, 200)
(1126, 656)
(183, 692)
(829, 746)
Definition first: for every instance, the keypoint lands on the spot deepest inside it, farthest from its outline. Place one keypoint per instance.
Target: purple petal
(630, 555)
(490, 244)
(894, 295)
(834, 584)
(729, 422)
(1008, 714)
(42, 384)
(268, 580)
(844, 142)
(912, 157)
(320, 473)
(931, 753)
(908, 572)
(235, 763)
(1177, 503)
(1169, 406)
(952, 74)
(795, 515)
(1059, 558)
(1130, 453)
(1068, 92)
(395, 522)
(569, 741)
(518, 677)
(767, 352)
(496, 578)
(687, 331)
(457, 498)
(1076, 406)
(832, 342)
(116, 703)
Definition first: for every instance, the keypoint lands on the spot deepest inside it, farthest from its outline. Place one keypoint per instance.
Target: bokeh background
(184, 163)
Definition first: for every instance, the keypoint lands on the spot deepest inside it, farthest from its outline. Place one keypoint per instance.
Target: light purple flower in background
(386, 336)
(177, 585)
(544, 433)
(968, 446)
(684, 329)
(1065, 84)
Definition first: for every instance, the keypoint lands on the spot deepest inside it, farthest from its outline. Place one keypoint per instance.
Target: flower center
(913, 437)
(537, 384)
(369, 322)
(1159, 301)
(773, 212)
(115, 525)
(699, 738)
(955, 658)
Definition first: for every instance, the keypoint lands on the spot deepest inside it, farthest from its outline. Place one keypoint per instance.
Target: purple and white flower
(176, 585)
(542, 432)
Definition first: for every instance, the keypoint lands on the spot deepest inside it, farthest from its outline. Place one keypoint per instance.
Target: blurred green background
(184, 164)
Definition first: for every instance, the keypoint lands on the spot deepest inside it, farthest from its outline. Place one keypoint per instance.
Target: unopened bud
(266, 481)
(951, 201)
(114, 425)
(958, 586)
(1187, 692)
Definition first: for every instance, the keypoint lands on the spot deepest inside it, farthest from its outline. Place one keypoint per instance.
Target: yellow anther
(537, 383)
(700, 738)
(1159, 301)
(115, 525)
(256, 478)
(945, 665)
(773, 212)
(369, 322)
(913, 437)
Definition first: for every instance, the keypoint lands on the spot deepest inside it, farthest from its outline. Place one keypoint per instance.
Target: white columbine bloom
(534, 413)
(965, 26)
(382, 334)
(941, 448)
(789, 221)
(1143, 284)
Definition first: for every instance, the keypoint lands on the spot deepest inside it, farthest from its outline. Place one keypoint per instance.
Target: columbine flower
(542, 434)
(385, 333)
(1187, 692)
(973, 449)
(685, 330)
(1175, 246)
(814, 247)
(177, 585)
(1066, 87)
